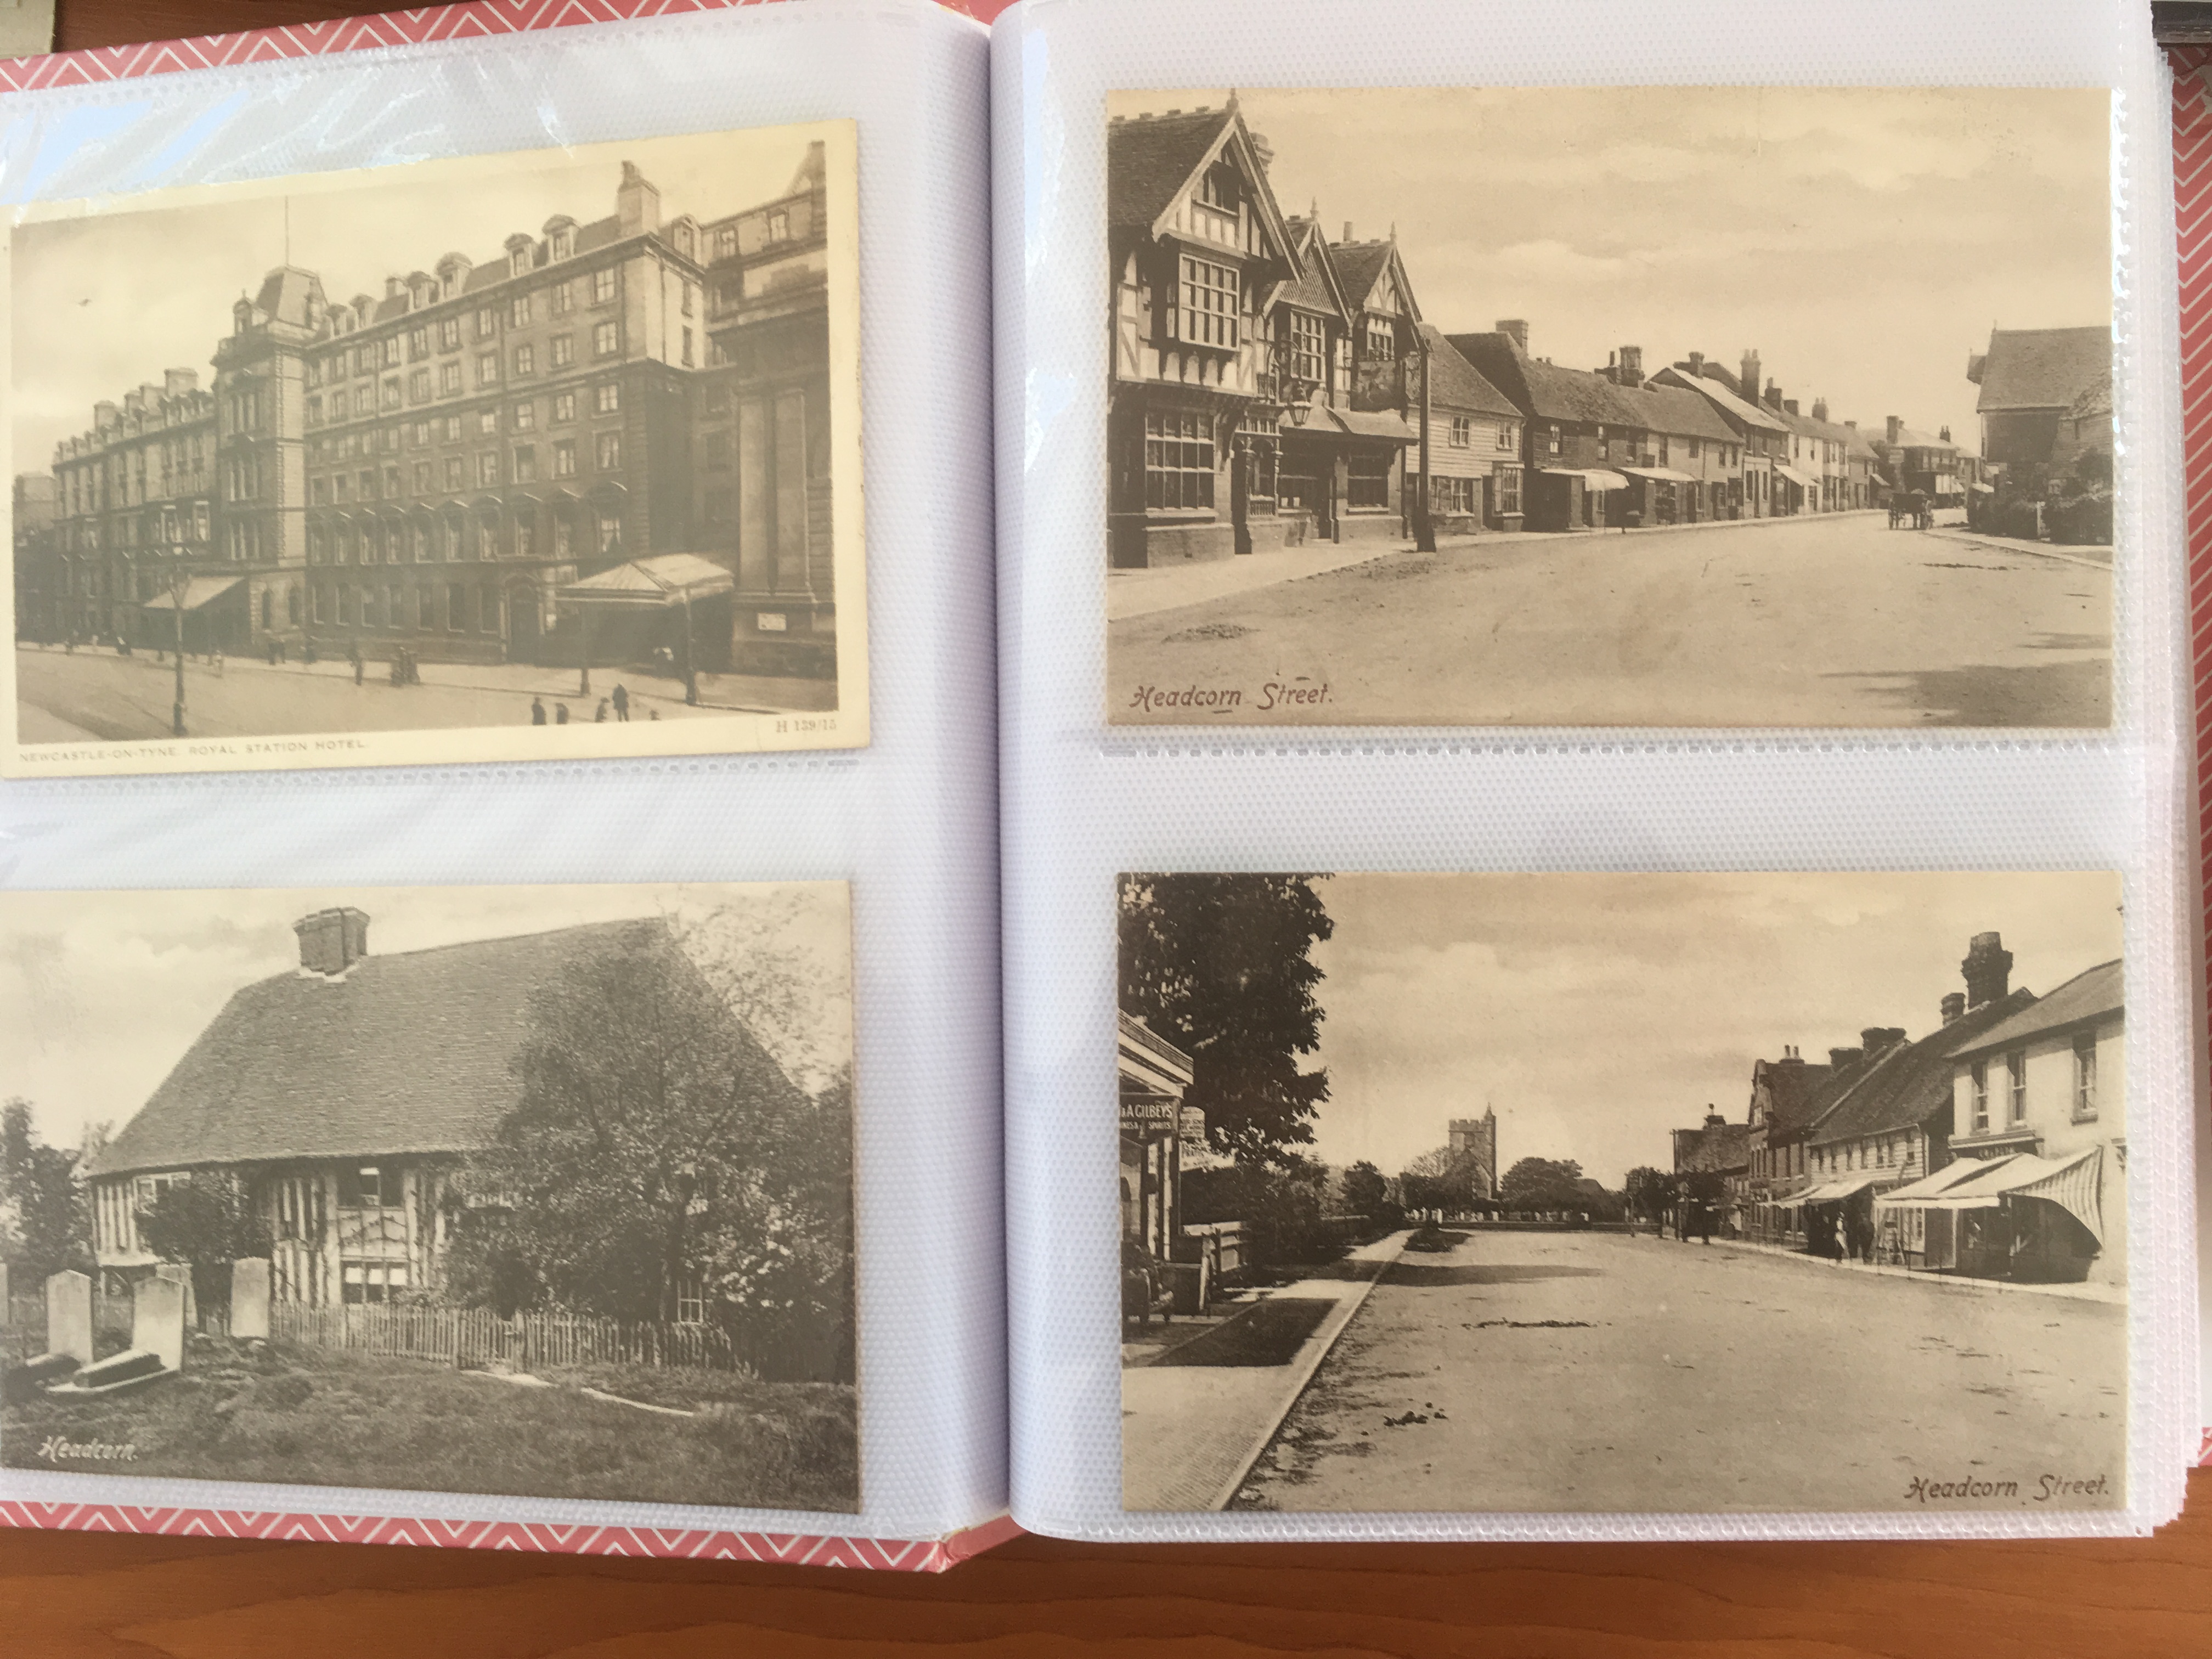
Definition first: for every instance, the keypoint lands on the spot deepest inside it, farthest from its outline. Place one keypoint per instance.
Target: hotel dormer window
(564, 244)
(779, 227)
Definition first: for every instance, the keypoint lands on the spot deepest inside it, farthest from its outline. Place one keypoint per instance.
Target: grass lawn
(323, 1417)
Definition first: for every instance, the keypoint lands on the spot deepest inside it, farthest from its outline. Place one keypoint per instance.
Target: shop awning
(1659, 474)
(199, 591)
(1795, 476)
(2075, 1184)
(1982, 489)
(1374, 424)
(664, 580)
(1951, 1175)
(1592, 477)
(1835, 1191)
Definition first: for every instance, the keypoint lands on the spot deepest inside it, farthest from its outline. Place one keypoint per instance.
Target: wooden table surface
(64, 1594)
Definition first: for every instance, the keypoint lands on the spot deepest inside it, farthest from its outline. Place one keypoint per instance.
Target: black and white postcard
(1623, 1193)
(1643, 406)
(545, 455)
(542, 1191)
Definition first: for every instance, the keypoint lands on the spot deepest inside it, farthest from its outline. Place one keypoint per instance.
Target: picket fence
(463, 1337)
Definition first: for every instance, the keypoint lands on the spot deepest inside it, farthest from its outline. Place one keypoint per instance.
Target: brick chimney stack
(1631, 366)
(1749, 384)
(179, 381)
(332, 941)
(1988, 968)
(1515, 329)
(1840, 1058)
(1896, 430)
(1877, 1039)
(1347, 231)
(1697, 362)
(1954, 1006)
(637, 203)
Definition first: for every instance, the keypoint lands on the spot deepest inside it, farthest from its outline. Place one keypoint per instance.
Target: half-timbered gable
(1198, 247)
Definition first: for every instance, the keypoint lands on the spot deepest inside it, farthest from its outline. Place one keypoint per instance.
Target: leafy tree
(207, 1221)
(1365, 1190)
(656, 1141)
(45, 1223)
(1220, 966)
(1647, 1192)
(1442, 1180)
(1543, 1183)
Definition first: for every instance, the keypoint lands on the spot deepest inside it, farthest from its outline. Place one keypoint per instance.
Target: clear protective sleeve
(1083, 803)
(909, 821)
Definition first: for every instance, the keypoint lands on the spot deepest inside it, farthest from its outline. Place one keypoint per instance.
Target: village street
(1827, 620)
(93, 694)
(1586, 1371)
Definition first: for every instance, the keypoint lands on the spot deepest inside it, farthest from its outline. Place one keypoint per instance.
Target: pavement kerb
(2011, 545)
(2110, 1295)
(1317, 1348)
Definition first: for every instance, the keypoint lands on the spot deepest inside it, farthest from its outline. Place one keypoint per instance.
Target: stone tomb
(249, 1299)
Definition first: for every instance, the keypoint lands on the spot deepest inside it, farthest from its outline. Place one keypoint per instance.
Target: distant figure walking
(307, 653)
(599, 714)
(559, 713)
(653, 714)
(360, 663)
(622, 703)
(537, 711)
(215, 658)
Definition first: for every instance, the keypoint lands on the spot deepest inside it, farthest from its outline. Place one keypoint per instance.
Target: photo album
(809, 781)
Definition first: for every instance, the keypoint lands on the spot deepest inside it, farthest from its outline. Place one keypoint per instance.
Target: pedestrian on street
(653, 714)
(599, 714)
(308, 654)
(214, 657)
(559, 713)
(622, 702)
(537, 711)
(353, 656)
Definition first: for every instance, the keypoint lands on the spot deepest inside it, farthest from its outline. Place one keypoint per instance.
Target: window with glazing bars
(1367, 481)
(1209, 307)
(1178, 460)
(1306, 341)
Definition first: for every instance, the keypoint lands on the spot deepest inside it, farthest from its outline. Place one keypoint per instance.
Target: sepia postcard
(539, 1191)
(1628, 1194)
(420, 463)
(1615, 406)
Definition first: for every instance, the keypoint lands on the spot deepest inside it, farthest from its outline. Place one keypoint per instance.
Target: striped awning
(2075, 1184)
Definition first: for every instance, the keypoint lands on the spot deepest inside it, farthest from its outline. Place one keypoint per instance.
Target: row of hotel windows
(456, 608)
(367, 401)
(491, 469)
(82, 485)
(2084, 1101)
(456, 537)
(606, 399)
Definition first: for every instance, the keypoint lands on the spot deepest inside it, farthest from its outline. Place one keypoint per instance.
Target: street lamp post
(1424, 528)
(180, 580)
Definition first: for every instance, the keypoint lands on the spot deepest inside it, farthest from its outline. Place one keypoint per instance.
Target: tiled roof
(1712, 1147)
(412, 1053)
(2091, 994)
(1310, 288)
(1673, 410)
(2042, 368)
(1909, 1082)
(1724, 400)
(2096, 399)
(1359, 266)
(1149, 157)
(1907, 438)
(1790, 1091)
(1542, 391)
(1457, 383)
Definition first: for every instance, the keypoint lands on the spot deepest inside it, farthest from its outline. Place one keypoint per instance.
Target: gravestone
(180, 1274)
(69, 1316)
(249, 1298)
(157, 1321)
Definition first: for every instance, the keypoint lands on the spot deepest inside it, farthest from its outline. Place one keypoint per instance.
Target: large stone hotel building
(428, 468)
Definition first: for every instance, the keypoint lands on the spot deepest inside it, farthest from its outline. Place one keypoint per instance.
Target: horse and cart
(1913, 507)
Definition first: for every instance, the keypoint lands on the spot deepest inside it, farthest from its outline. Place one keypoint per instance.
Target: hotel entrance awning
(665, 579)
(199, 592)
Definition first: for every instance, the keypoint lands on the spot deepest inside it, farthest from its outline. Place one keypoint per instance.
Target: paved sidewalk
(2016, 545)
(1169, 587)
(1190, 1433)
(719, 694)
(2113, 1294)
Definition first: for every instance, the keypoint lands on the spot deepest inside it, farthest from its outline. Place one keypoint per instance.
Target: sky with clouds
(1594, 1013)
(1863, 240)
(110, 294)
(101, 993)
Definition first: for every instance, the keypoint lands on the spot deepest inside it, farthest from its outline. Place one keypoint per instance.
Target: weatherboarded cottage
(344, 1095)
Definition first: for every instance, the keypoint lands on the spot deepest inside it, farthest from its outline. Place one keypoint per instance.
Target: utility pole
(1425, 526)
